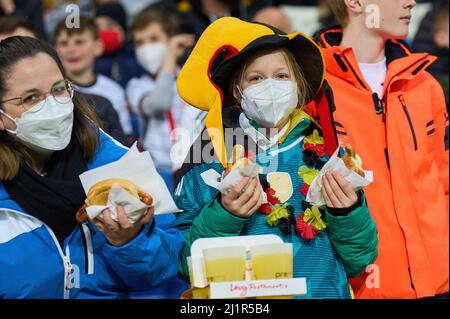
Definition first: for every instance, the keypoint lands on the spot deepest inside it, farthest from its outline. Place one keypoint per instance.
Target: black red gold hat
(204, 79)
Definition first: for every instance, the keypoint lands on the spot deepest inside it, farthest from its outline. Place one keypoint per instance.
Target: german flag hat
(204, 79)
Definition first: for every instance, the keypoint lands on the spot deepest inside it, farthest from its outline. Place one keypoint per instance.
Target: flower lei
(309, 223)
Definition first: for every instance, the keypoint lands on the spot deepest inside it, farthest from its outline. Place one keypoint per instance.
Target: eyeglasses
(62, 92)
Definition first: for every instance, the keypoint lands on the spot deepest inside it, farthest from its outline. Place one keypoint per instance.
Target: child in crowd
(154, 95)
(117, 60)
(255, 82)
(78, 49)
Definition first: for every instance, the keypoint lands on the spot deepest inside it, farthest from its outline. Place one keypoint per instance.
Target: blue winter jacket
(34, 265)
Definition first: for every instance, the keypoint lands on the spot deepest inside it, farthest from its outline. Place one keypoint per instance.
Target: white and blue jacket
(34, 265)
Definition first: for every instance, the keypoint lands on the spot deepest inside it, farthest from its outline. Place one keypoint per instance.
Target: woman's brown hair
(85, 126)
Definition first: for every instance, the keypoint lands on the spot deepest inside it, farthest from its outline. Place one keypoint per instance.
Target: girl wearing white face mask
(255, 83)
(159, 46)
(49, 135)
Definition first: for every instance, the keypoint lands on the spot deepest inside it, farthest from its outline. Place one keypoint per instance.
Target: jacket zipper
(353, 70)
(87, 233)
(377, 102)
(66, 259)
(411, 126)
(411, 279)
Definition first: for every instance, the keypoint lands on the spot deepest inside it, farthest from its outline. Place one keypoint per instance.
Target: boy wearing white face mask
(153, 96)
(255, 82)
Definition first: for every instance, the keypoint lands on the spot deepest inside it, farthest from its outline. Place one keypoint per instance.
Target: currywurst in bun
(99, 192)
(353, 161)
(237, 159)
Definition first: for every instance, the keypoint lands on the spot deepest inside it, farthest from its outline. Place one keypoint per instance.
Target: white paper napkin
(224, 184)
(119, 196)
(335, 163)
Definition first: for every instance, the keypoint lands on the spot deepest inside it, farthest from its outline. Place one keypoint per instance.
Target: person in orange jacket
(388, 107)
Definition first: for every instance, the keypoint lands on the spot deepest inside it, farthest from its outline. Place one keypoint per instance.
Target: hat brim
(204, 81)
(305, 51)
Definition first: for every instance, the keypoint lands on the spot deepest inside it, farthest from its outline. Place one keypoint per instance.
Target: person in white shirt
(154, 96)
(78, 48)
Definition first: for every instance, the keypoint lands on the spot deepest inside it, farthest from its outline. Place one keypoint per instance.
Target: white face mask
(151, 56)
(46, 127)
(270, 102)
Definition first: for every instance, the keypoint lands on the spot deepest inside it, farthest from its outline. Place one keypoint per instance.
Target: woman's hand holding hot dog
(121, 232)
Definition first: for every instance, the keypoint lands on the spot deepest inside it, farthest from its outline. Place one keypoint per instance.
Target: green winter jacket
(343, 250)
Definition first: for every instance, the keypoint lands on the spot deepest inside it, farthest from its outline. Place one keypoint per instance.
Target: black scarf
(56, 197)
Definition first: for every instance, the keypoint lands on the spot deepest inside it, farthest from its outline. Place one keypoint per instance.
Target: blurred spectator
(441, 29)
(78, 48)
(440, 69)
(198, 14)
(275, 17)
(118, 61)
(14, 26)
(134, 7)
(299, 2)
(433, 37)
(28, 9)
(55, 11)
(423, 41)
(154, 95)
(112, 23)
(326, 16)
(440, 32)
(108, 116)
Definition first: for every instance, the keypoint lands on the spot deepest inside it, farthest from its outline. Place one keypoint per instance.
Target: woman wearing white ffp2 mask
(46, 125)
(48, 138)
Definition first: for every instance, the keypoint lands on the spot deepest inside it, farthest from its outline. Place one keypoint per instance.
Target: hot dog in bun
(99, 192)
(238, 159)
(353, 161)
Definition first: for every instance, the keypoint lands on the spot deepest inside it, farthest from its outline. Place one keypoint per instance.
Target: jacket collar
(342, 62)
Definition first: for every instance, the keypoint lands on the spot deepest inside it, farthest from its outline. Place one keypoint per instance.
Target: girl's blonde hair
(305, 90)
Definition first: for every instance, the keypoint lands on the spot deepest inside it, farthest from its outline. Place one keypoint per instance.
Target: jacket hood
(204, 79)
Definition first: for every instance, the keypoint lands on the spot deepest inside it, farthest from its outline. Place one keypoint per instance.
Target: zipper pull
(377, 103)
(68, 268)
(383, 106)
(402, 101)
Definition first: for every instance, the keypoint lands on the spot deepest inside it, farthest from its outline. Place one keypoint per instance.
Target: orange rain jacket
(401, 139)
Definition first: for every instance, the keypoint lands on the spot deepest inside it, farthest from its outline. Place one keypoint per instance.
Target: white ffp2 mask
(46, 127)
(151, 56)
(270, 101)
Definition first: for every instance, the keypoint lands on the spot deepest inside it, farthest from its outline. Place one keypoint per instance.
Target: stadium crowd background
(118, 81)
